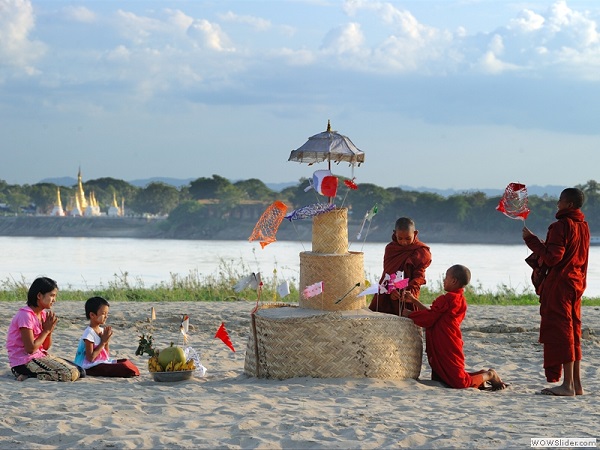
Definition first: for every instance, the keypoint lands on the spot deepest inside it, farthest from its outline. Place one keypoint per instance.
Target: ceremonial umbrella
(328, 146)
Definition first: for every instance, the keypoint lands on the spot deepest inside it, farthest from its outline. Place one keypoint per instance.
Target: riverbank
(159, 228)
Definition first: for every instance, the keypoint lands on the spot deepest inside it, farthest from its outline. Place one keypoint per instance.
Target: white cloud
(80, 14)
(210, 35)
(17, 21)
(119, 54)
(556, 40)
(527, 21)
(255, 22)
(344, 39)
(137, 28)
(179, 19)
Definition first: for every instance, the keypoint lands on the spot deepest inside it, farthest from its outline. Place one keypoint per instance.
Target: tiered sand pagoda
(332, 334)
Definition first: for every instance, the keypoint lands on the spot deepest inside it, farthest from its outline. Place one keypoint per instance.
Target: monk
(407, 254)
(444, 344)
(565, 253)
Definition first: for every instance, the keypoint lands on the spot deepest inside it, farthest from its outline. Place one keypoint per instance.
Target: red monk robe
(565, 251)
(444, 344)
(411, 259)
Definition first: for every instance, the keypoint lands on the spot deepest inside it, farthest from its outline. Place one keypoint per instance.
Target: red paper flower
(351, 184)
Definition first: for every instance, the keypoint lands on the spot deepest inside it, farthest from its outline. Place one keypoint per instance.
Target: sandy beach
(227, 409)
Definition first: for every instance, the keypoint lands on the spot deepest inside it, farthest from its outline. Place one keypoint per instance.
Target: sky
(448, 94)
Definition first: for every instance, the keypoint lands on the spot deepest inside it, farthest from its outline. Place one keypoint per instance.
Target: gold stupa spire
(80, 194)
(58, 202)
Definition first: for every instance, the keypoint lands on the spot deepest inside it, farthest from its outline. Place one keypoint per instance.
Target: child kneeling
(93, 350)
(443, 336)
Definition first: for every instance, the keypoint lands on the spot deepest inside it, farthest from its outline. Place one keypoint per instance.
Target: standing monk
(407, 254)
(565, 253)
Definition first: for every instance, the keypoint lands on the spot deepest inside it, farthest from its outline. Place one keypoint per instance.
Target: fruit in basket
(171, 357)
(154, 365)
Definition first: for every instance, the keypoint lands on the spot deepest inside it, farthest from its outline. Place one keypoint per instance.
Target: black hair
(41, 285)
(573, 195)
(404, 224)
(461, 273)
(92, 305)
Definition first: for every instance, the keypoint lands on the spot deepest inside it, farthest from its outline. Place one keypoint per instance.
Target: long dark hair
(41, 285)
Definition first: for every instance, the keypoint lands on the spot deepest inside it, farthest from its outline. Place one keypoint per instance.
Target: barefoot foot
(560, 391)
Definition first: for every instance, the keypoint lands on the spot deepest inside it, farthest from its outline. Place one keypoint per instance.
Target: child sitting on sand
(93, 350)
(443, 336)
(29, 337)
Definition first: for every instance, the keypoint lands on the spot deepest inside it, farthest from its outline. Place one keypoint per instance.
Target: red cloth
(123, 368)
(444, 344)
(412, 259)
(565, 251)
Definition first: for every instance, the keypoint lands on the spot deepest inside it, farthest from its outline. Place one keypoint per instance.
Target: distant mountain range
(540, 191)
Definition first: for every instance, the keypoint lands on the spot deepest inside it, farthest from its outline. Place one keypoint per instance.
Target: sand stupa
(332, 334)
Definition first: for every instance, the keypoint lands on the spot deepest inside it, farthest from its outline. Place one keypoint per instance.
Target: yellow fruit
(190, 365)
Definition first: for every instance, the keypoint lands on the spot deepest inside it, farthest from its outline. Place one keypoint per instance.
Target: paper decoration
(350, 184)
(253, 281)
(373, 289)
(368, 217)
(190, 353)
(283, 289)
(324, 182)
(268, 224)
(313, 289)
(393, 282)
(309, 211)
(514, 202)
(222, 334)
(184, 327)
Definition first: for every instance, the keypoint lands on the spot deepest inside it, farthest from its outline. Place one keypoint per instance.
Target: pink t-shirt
(25, 318)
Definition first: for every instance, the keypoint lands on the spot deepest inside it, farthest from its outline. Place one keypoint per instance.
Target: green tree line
(212, 203)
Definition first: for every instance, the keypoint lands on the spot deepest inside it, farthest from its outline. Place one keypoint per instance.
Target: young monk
(565, 251)
(407, 254)
(444, 344)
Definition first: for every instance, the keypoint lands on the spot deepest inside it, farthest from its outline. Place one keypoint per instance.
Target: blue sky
(445, 94)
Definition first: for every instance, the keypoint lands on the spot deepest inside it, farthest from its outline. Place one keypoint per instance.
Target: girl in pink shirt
(29, 337)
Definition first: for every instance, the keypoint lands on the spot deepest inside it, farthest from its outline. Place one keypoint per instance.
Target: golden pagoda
(58, 208)
(114, 210)
(74, 208)
(93, 208)
(80, 194)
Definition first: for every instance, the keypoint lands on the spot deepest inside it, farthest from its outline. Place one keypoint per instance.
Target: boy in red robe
(565, 252)
(444, 344)
(407, 254)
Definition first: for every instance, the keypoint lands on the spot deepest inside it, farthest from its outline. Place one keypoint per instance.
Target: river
(86, 263)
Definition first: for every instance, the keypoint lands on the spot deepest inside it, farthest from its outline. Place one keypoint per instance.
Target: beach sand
(227, 409)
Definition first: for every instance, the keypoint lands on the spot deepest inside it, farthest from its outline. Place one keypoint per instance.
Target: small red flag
(222, 334)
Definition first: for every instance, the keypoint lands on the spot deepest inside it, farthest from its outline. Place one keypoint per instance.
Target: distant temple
(58, 209)
(80, 206)
(114, 210)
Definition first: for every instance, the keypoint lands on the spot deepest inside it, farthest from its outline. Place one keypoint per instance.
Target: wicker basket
(330, 232)
(287, 342)
(340, 275)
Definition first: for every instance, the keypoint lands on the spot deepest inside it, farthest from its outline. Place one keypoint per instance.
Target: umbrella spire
(328, 126)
